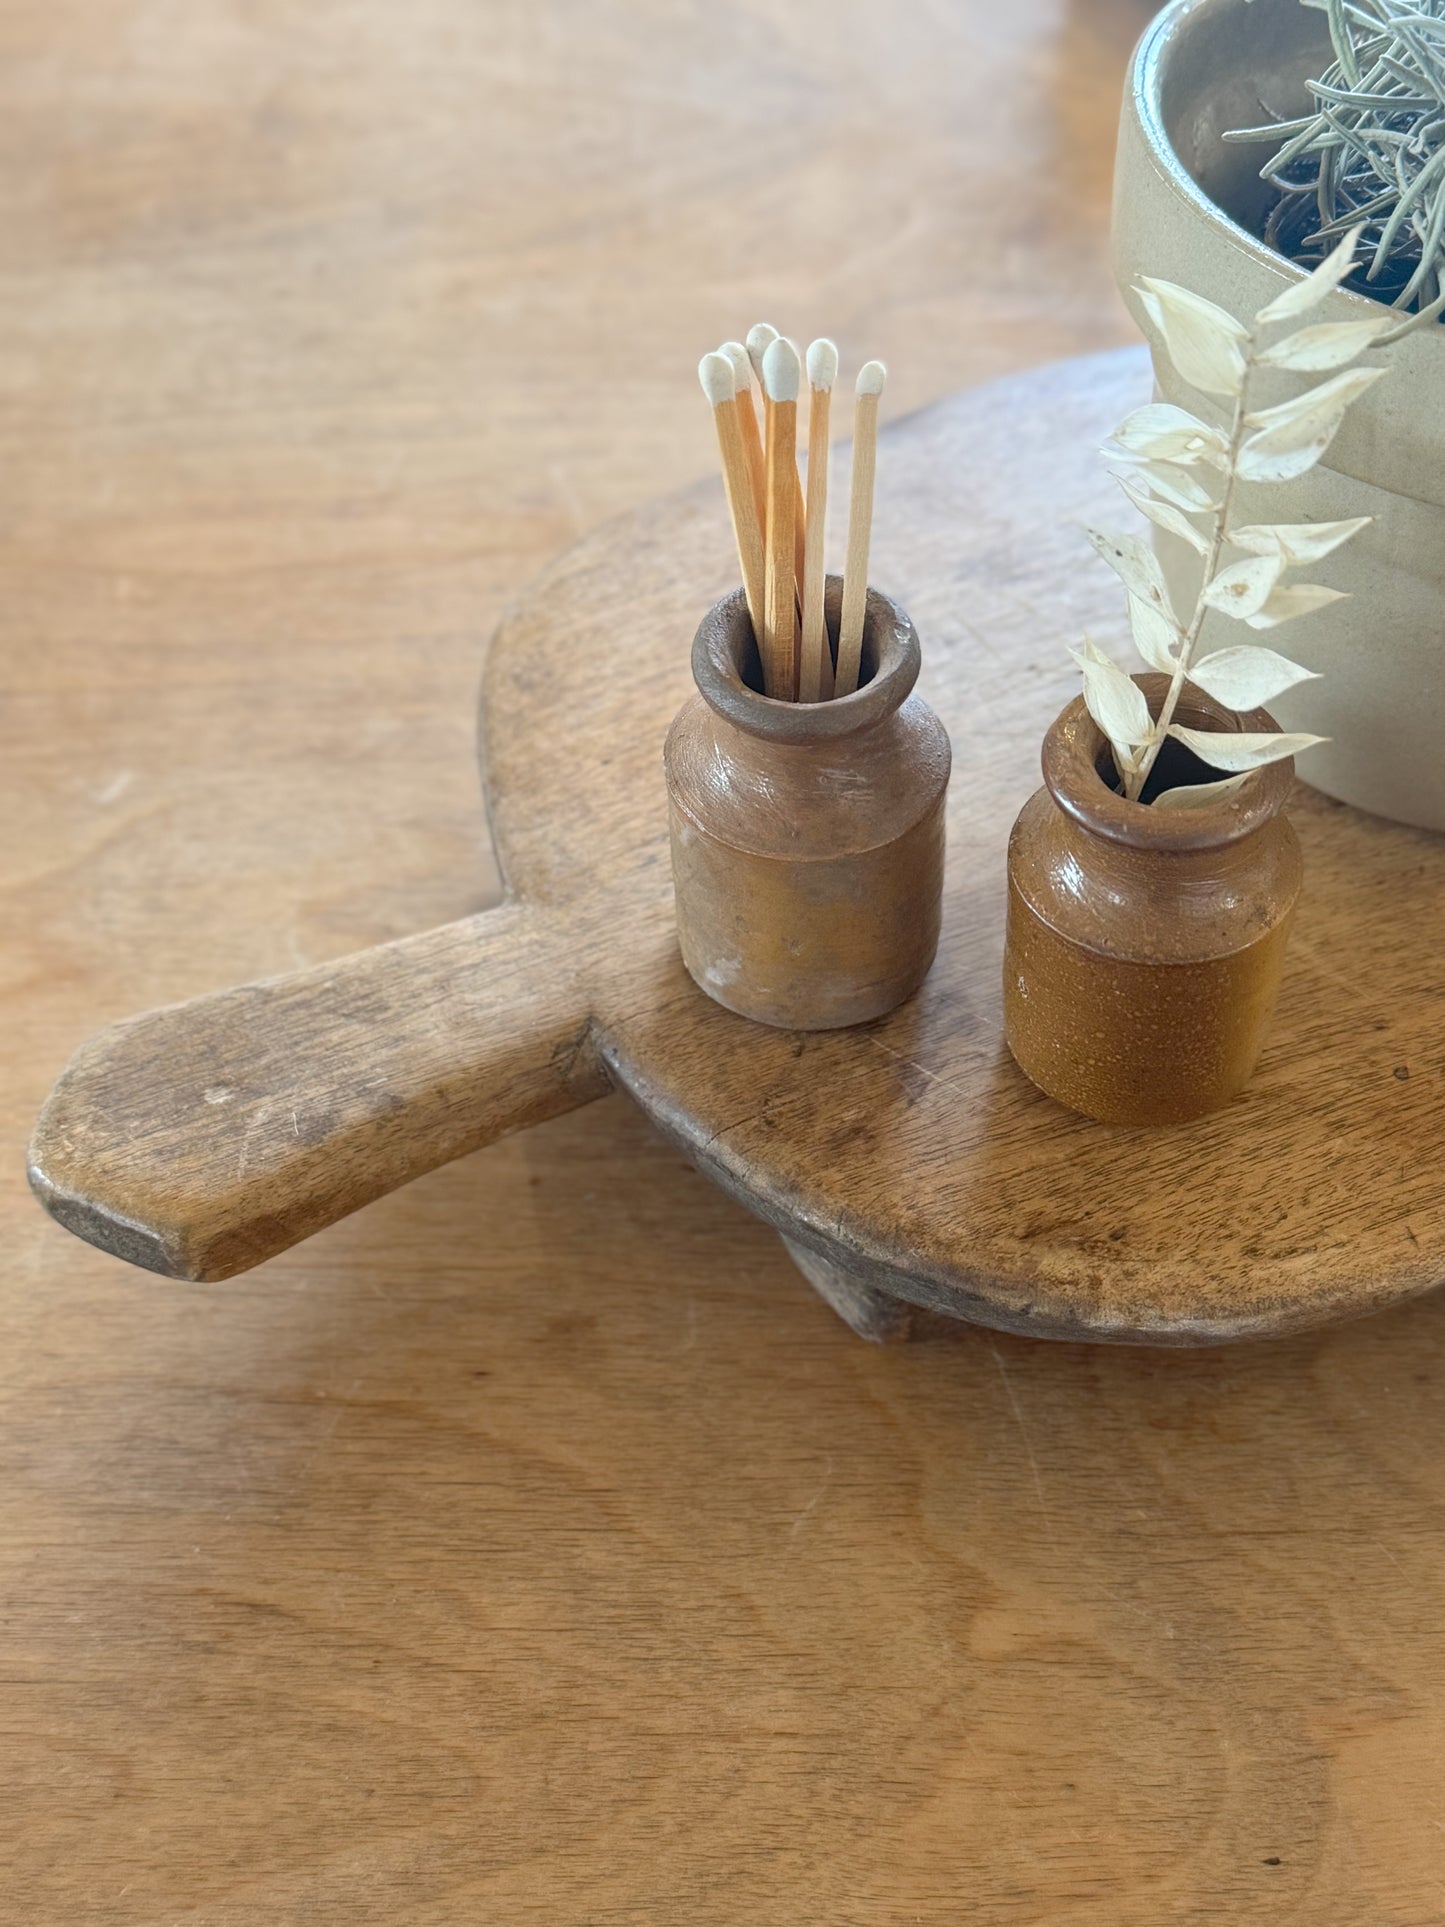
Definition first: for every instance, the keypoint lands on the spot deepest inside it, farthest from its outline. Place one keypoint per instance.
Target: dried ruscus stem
(1182, 474)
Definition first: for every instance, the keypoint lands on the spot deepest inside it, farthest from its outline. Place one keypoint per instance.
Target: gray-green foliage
(1372, 156)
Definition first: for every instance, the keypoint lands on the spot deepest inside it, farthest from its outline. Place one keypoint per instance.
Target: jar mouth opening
(728, 671)
(1079, 770)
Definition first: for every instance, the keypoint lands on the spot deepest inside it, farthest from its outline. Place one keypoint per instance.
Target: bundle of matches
(779, 528)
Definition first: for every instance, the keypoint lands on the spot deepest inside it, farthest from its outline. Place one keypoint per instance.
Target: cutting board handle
(200, 1139)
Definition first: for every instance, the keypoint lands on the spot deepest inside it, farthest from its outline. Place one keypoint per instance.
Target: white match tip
(782, 370)
(760, 337)
(737, 354)
(715, 372)
(871, 377)
(823, 363)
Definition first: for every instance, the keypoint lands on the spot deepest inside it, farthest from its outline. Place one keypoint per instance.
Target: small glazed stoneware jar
(1145, 946)
(807, 838)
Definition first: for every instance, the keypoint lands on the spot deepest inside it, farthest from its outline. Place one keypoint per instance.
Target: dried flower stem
(1181, 469)
(1134, 782)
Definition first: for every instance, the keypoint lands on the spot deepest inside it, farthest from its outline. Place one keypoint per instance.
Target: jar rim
(724, 646)
(1075, 746)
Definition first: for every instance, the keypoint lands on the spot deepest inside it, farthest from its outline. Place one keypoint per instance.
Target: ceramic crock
(807, 838)
(1186, 204)
(1145, 945)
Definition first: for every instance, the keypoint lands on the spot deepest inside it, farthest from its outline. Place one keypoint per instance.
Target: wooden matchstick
(815, 662)
(782, 374)
(752, 434)
(871, 377)
(761, 337)
(717, 375)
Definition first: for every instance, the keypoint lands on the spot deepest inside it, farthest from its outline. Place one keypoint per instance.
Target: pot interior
(1235, 63)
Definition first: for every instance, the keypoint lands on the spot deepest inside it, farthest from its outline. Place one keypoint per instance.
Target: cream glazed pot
(1184, 202)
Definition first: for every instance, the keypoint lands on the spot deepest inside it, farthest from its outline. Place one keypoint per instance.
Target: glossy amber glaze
(1145, 946)
(807, 838)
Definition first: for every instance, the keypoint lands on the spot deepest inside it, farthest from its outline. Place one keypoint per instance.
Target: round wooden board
(912, 1152)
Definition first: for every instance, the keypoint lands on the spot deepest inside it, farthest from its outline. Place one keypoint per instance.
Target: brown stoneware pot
(1145, 946)
(807, 838)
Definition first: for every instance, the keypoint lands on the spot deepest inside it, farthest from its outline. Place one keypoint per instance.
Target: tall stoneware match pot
(1145, 945)
(1189, 206)
(807, 838)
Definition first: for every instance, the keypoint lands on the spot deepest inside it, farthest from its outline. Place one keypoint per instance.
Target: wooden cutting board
(907, 1163)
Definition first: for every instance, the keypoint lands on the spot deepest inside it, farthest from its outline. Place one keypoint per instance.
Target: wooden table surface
(534, 1547)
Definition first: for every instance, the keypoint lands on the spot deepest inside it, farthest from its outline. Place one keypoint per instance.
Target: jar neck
(1161, 883)
(726, 670)
(1077, 763)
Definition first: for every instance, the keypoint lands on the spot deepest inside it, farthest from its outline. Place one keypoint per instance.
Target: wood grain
(533, 1546)
(215, 1133)
(911, 1150)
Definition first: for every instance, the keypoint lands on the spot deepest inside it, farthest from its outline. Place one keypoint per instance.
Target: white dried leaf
(1115, 701)
(1191, 796)
(1155, 636)
(1297, 541)
(1242, 588)
(1242, 749)
(1325, 400)
(1308, 293)
(1160, 432)
(1181, 486)
(1292, 437)
(1164, 516)
(1169, 454)
(1329, 344)
(1137, 567)
(1202, 340)
(1245, 677)
(1300, 599)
